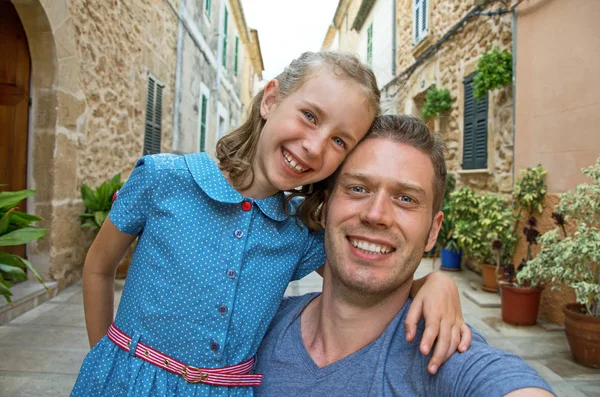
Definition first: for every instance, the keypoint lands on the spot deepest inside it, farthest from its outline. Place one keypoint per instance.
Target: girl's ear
(270, 98)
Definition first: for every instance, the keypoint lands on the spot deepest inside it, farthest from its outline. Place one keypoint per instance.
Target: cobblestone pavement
(41, 351)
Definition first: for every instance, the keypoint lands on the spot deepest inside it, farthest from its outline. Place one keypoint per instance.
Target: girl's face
(308, 134)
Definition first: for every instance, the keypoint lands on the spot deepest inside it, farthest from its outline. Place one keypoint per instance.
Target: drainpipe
(178, 67)
(514, 86)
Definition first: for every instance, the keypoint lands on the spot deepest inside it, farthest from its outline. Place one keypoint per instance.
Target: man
(382, 212)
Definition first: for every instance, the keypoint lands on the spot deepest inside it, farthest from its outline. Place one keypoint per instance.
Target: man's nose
(378, 211)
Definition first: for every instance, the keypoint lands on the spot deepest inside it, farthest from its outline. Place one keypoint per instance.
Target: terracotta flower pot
(520, 305)
(583, 334)
(489, 278)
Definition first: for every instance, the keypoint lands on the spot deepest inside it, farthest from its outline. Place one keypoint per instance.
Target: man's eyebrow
(401, 185)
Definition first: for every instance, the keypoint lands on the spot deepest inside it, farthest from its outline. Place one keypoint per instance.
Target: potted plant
(97, 206)
(521, 300)
(15, 229)
(494, 70)
(450, 253)
(479, 220)
(574, 259)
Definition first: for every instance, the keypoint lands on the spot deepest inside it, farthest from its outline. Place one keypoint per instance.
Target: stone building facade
(97, 67)
(439, 42)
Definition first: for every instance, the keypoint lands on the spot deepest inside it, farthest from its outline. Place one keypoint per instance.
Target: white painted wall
(382, 18)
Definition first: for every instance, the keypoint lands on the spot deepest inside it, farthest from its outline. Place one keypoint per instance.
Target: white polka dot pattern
(206, 278)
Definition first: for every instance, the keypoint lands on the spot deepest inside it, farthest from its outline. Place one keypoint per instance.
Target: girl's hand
(436, 299)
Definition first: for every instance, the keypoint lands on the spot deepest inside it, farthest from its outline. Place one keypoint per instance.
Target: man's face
(379, 218)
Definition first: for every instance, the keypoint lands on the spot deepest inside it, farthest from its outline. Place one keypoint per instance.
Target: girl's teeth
(292, 163)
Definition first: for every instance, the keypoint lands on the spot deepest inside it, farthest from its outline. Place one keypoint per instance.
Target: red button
(246, 206)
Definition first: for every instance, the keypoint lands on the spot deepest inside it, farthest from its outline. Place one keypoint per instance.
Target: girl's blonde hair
(236, 150)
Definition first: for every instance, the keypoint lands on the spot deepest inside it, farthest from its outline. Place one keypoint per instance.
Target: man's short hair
(411, 131)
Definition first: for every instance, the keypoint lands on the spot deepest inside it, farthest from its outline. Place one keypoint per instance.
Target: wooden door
(15, 65)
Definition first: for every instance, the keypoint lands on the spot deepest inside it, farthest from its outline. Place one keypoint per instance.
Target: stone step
(26, 296)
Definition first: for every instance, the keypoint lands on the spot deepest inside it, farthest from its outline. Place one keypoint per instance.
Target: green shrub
(494, 70)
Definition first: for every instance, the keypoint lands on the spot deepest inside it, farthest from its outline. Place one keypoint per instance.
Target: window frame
(476, 158)
(420, 20)
(202, 135)
(153, 116)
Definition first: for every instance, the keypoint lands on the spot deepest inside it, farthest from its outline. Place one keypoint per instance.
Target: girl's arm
(436, 298)
(98, 278)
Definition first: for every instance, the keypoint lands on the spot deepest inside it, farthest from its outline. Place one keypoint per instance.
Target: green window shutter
(475, 134)
(235, 59)
(370, 45)
(153, 124)
(225, 38)
(207, 7)
(203, 113)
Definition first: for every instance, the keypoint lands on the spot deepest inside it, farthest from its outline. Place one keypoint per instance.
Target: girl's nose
(314, 145)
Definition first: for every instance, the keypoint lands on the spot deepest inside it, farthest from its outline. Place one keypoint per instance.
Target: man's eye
(339, 142)
(406, 199)
(357, 189)
(309, 116)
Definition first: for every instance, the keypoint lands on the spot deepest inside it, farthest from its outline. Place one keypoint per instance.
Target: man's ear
(270, 98)
(434, 230)
(323, 213)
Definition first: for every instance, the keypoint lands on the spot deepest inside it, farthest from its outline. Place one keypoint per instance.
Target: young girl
(216, 247)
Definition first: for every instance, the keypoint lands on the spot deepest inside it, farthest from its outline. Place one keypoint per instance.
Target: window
(370, 45)
(225, 16)
(152, 128)
(420, 20)
(235, 56)
(475, 133)
(203, 117)
(207, 7)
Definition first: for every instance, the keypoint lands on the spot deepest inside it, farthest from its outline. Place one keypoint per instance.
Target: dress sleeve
(130, 210)
(314, 255)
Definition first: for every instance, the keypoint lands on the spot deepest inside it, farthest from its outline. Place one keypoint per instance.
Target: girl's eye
(339, 142)
(309, 116)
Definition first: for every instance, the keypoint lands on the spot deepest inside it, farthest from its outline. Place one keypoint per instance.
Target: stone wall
(455, 59)
(91, 60)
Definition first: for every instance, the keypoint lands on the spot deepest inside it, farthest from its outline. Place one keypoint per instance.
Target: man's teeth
(370, 247)
(289, 160)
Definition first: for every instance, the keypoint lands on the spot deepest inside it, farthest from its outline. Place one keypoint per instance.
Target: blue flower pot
(451, 260)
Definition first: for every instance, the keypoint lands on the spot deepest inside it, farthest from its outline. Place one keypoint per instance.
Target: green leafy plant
(494, 70)
(16, 229)
(436, 101)
(445, 237)
(479, 220)
(98, 201)
(530, 190)
(573, 259)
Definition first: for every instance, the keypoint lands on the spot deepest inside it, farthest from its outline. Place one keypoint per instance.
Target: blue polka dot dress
(207, 276)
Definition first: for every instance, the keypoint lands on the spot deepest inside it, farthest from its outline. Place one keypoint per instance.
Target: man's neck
(333, 326)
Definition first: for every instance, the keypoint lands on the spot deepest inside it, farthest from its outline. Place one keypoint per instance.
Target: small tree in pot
(574, 259)
(521, 301)
(481, 219)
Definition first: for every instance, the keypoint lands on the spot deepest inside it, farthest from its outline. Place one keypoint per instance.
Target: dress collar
(212, 181)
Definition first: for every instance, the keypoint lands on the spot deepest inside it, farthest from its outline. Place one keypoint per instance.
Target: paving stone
(568, 369)
(35, 360)
(545, 372)
(590, 389)
(54, 314)
(482, 298)
(565, 389)
(25, 385)
(50, 338)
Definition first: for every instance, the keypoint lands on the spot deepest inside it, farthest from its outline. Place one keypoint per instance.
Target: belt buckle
(185, 372)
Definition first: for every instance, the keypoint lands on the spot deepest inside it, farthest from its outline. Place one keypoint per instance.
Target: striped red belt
(235, 375)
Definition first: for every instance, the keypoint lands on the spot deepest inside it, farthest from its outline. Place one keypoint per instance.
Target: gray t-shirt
(388, 366)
